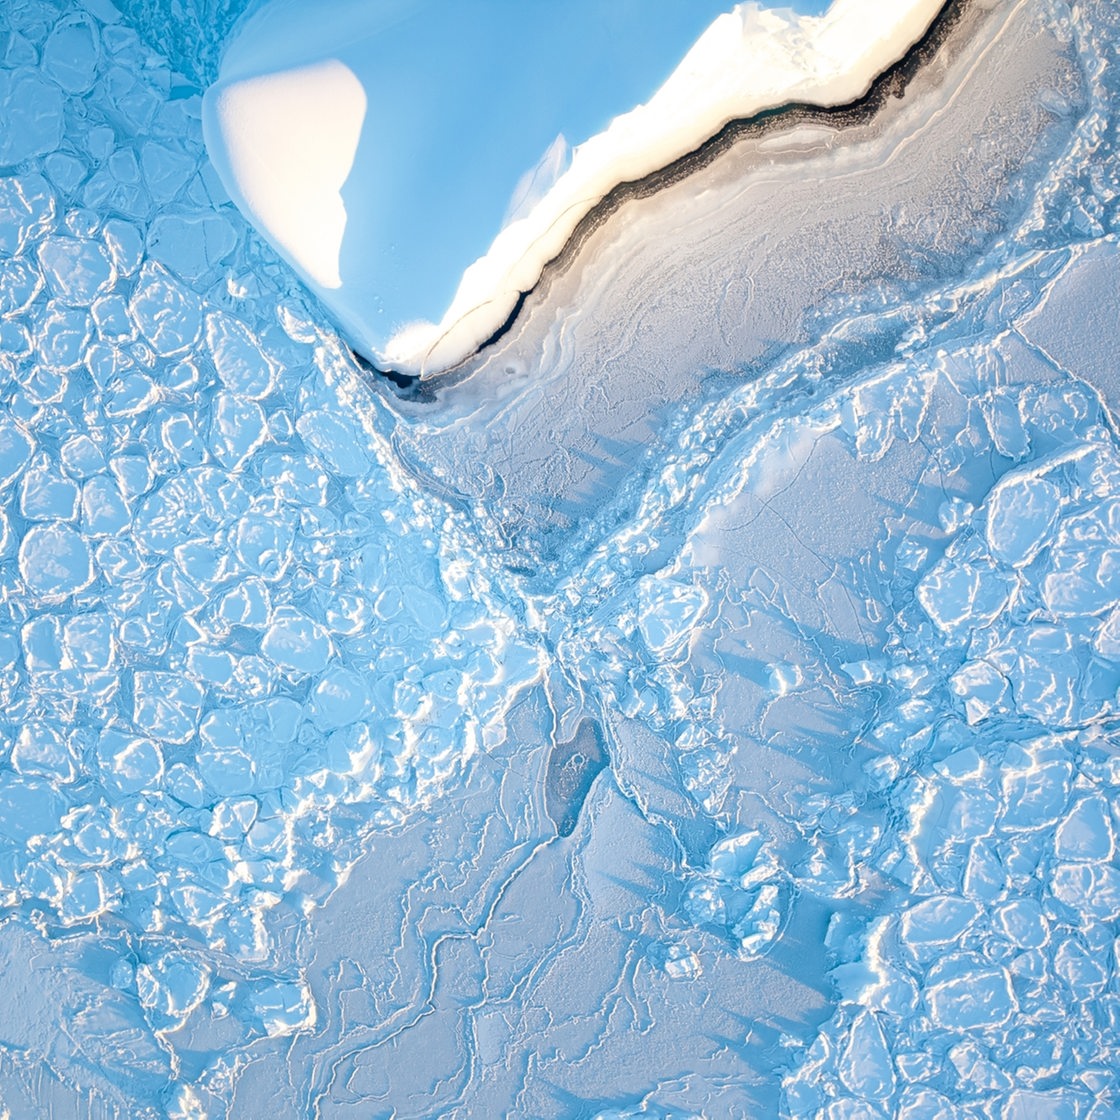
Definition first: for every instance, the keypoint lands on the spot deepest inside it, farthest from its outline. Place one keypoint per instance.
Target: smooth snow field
(701, 703)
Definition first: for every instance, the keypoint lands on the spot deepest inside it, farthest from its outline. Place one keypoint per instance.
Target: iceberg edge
(749, 61)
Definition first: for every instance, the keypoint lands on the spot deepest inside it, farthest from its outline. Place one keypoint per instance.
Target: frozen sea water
(472, 128)
(704, 705)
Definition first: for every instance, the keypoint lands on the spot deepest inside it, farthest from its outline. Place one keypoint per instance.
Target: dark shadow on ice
(572, 769)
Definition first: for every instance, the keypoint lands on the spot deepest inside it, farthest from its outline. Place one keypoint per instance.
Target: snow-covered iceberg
(376, 146)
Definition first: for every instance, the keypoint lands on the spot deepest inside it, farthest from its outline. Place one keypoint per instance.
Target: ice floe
(817, 797)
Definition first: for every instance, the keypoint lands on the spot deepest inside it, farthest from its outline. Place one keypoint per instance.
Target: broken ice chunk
(967, 994)
(760, 925)
(1083, 580)
(1089, 888)
(1023, 923)
(33, 115)
(282, 1008)
(27, 207)
(15, 450)
(985, 878)
(953, 514)
(296, 643)
(104, 510)
(242, 365)
(72, 53)
(339, 698)
(46, 495)
(166, 706)
(1044, 666)
(744, 860)
(705, 904)
(166, 313)
(678, 962)
(171, 987)
(975, 1069)
(76, 270)
(314, 128)
(1107, 639)
(41, 751)
(784, 678)
(87, 895)
(1036, 785)
(128, 763)
(1086, 834)
(1021, 514)
(865, 1064)
(744, 891)
(936, 922)
(668, 612)
(54, 561)
(961, 597)
(863, 672)
(1082, 969)
(1058, 1104)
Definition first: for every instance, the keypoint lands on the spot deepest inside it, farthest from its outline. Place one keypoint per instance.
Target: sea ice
(54, 561)
(700, 705)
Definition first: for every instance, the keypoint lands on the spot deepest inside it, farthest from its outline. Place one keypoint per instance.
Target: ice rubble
(283, 125)
(204, 642)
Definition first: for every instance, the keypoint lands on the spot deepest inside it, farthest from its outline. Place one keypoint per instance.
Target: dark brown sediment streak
(891, 83)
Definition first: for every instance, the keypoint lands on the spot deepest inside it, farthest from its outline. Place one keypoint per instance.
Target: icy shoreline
(750, 60)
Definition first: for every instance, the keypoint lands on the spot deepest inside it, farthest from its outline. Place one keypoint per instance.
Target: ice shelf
(377, 149)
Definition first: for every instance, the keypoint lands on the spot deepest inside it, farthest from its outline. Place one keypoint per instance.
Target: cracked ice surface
(704, 707)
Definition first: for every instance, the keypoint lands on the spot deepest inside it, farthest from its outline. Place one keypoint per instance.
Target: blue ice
(471, 113)
(420, 164)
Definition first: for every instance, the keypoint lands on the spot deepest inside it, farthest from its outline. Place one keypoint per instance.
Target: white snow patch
(284, 144)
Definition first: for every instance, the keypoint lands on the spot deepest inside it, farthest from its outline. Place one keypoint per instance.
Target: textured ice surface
(703, 706)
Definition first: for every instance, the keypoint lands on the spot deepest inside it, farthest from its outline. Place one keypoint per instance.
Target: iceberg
(375, 146)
